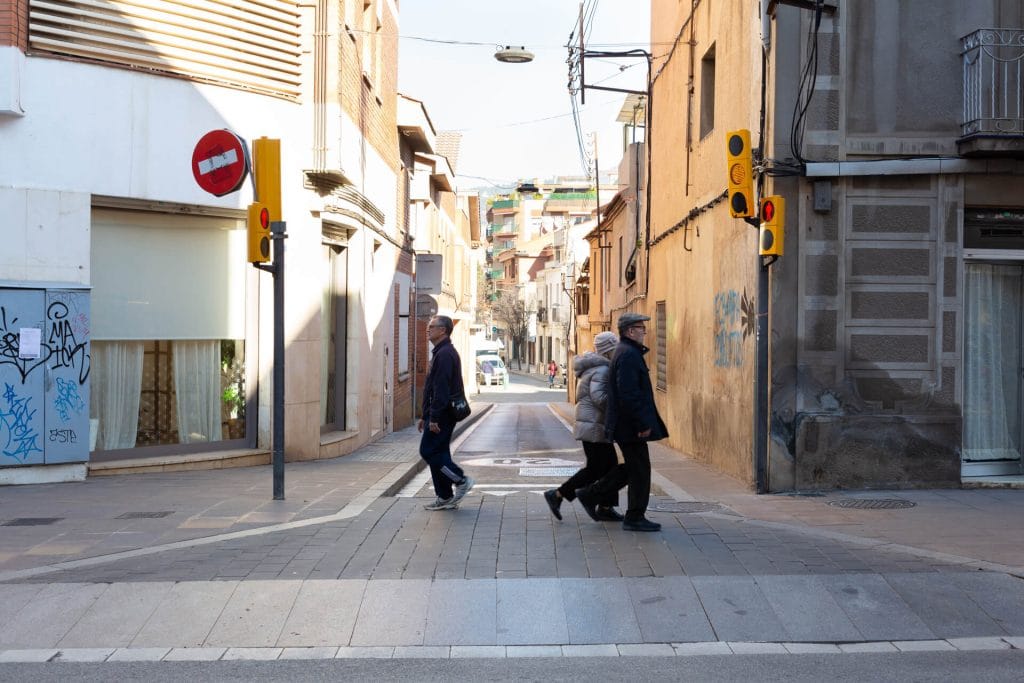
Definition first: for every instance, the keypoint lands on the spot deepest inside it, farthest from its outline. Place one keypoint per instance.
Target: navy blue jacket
(443, 383)
(631, 408)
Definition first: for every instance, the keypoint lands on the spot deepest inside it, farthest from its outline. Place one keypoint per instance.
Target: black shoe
(641, 524)
(609, 514)
(588, 504)
(554, 502)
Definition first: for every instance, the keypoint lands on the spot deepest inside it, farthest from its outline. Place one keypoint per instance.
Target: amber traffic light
(741, 173)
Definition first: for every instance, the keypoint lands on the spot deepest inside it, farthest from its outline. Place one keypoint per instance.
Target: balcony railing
(993, 92)
(505, 204)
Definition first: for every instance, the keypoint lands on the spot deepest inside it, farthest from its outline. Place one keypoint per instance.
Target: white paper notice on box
(28, 343)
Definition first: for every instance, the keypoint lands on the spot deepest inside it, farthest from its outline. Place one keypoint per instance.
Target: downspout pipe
(923, 166)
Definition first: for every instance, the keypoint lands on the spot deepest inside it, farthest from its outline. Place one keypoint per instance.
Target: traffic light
(266, 154)
(741, 173)
(258, 233)
(773, 225)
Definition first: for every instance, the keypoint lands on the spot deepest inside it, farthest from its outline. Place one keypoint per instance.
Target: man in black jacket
(631, 421)
(443, 383)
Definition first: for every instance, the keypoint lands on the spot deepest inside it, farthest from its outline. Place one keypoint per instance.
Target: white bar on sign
(218, 161)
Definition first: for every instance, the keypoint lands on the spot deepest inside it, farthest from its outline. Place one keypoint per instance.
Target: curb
(418, 465)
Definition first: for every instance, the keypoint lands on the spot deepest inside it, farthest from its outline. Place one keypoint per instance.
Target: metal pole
(277, 230)
(761, 383)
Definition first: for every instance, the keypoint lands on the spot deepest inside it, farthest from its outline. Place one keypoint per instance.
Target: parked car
(490, 370)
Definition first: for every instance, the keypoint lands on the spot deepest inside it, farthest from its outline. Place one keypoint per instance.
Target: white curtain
(992, 387)
(198, 390)
(116, 376)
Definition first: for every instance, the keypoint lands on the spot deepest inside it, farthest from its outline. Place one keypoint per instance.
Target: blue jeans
(436, 450)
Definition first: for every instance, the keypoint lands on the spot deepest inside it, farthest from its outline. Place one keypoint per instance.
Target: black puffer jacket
(631, 408)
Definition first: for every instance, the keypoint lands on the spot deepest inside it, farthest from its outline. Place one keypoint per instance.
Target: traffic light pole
(761, 374)
(277, 236)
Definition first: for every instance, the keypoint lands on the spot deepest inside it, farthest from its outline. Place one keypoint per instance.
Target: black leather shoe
(641, 524)
(609, 514)
(554, 502)
(589, 505)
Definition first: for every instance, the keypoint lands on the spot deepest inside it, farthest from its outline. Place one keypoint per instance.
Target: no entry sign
(219, 162)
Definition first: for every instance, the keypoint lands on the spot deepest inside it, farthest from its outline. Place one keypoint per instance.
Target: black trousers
(600, 460)
(634, 472)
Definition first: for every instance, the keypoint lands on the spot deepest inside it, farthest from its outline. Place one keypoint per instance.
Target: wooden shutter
(250, 44)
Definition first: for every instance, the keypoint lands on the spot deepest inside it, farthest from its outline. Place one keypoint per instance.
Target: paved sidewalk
(46, 525)
(346, 568)
(978, 527)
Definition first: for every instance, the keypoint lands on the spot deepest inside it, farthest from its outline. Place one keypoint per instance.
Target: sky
(516, 119)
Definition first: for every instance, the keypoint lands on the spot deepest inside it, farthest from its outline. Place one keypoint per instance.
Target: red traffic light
(768, 211)
(265, 218)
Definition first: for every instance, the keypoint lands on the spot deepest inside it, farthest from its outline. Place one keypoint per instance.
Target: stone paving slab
(402, 613)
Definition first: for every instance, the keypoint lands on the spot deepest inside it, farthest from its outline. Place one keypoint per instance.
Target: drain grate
(872, 503)
(31, 521)
(145, 515)
(687, 507)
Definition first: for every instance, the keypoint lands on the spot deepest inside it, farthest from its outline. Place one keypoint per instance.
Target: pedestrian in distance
(591, 369)
(631, 421)
(552, 373)
(443, 383)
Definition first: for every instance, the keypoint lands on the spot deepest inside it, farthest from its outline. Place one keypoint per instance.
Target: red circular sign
(219, 162)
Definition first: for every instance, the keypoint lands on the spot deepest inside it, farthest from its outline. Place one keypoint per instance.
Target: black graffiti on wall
(63, 339)
(65, 344)
(10, 344)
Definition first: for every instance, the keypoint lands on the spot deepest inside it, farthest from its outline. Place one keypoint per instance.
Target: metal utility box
(44, 376)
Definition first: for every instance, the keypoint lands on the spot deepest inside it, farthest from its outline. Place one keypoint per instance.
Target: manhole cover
(554, 472)
(145, 515)
(872, 503)
(31, 521)
(687, 507)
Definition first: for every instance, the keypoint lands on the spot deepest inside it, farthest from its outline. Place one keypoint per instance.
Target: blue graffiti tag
(728, 330)
(16, 418)
(67, 400)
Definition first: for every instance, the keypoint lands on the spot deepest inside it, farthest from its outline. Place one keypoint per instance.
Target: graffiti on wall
(67, 333)
(45, 396)
(16, 418)
(735, 320)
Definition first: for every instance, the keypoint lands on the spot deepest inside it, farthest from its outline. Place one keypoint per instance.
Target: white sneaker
(442, 504)
(462, 489)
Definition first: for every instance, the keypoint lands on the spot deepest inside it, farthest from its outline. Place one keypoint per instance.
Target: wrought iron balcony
(993, 117)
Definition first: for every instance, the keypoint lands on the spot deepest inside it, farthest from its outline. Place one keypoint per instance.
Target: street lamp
(513, 55)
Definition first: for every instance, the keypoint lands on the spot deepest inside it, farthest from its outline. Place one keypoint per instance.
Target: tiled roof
(448, 143)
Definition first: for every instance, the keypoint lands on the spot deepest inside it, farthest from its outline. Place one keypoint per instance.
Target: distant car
(490, 370)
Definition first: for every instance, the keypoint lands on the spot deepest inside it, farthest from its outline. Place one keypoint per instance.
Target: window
(661, 345)
(168, 349)
(404, 286)
(333, 335)
(707, 92)
(620, 260)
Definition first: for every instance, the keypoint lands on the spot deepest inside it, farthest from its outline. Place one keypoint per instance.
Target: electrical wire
(806, 87)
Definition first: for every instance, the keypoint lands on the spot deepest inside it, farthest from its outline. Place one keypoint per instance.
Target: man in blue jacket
(631, 421)
(443, 383)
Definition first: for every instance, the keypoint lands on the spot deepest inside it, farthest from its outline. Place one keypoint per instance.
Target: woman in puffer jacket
(591, 403)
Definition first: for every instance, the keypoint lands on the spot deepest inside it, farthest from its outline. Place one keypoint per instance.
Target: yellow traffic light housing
(740, 166)
(773, 225)
(258, 233)
(266, 154)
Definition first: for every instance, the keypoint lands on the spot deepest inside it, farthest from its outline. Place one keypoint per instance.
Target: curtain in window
(993, 363)
(197, 389)
(116, 375)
